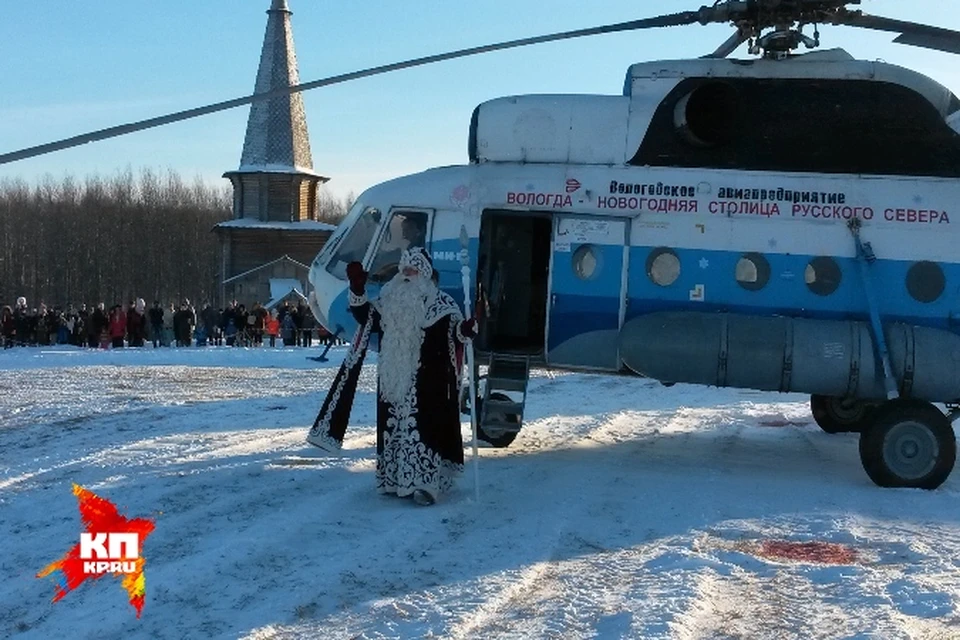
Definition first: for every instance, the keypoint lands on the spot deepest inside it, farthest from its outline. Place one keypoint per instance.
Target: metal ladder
(506, 374)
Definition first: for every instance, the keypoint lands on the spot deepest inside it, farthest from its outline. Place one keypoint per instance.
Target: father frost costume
(422, 333)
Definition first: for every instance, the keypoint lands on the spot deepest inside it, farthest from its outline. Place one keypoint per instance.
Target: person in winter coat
(218, 329)
(183, 324)
(230, 332)
(273, 327)
(422, 334)
(118, 326)
(136, 323)
(67, 321)
(97, 329)
(21, 319)
(308, 325)
(8, 326)
(227, 317)
(40, 331)
(288, 329)
(259, 323)
(210, 319)
(80, 328)
(156, 324)
(168, 333)
(243, 333)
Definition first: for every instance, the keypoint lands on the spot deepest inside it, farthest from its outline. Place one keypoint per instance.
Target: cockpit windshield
(334, 240)
(355, 242)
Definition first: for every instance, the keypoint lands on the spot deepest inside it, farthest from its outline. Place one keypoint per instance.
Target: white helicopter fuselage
(704, 274)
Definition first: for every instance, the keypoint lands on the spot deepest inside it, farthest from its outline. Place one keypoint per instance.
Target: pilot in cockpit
(410, 232)
(414, 231)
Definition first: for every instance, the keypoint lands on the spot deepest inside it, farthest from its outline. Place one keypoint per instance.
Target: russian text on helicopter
(782, 223)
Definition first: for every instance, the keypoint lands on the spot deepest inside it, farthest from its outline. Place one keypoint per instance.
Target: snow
(280, 288)
(255, 223)
(277, 168)
(624, 509)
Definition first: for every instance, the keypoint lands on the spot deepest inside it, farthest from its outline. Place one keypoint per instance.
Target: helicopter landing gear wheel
(910, 443)
(498, 437)
(841, 415)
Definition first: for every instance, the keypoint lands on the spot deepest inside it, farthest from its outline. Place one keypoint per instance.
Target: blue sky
(73, 67)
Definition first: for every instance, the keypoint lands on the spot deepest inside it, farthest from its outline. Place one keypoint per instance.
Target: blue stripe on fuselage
(786, 293)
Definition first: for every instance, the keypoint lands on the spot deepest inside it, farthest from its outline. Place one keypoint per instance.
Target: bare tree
(110, 240)
(331, 210)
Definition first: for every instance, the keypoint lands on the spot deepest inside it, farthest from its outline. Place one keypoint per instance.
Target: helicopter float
(786, 222)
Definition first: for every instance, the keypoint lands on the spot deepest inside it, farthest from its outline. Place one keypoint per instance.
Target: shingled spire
(276, 180)
(277, 128)
(274, 234)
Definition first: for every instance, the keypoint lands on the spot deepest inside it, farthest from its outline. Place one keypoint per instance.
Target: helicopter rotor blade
(729, 45)
(911, 33)
(670, 20)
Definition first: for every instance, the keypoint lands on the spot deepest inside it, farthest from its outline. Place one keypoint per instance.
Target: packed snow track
(624, 509)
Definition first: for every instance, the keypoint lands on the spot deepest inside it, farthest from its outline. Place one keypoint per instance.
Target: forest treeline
(116, 239)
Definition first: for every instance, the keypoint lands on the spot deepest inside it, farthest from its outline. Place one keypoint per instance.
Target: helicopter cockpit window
(337, 236)
(822, 275)
(355, 243)
(753, 271)
(406, 229)
(663, 266)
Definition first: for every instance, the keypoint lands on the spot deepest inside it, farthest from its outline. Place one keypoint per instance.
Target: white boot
(423, 498)
(324, 442)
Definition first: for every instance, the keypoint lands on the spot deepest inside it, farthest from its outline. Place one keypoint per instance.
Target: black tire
(910, 443)
(840, 415)
(499, 439)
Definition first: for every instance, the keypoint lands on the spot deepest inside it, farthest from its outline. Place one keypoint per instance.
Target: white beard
(403, 309)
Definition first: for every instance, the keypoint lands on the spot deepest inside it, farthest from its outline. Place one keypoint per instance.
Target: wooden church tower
(274, 234)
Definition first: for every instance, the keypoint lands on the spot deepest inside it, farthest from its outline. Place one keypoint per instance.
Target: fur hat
(419, 259)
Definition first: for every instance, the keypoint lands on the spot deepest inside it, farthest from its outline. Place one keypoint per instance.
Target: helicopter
(783, 222)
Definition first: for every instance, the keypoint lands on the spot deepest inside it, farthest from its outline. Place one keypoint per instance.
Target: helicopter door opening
(587, 292)
(512, 280)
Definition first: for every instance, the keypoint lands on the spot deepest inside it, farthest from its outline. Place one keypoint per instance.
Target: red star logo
(100, 516)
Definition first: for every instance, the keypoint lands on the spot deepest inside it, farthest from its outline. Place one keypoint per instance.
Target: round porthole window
(925, 281)
(663, 266)
(822, 275)
(585, 262)
(753, 271)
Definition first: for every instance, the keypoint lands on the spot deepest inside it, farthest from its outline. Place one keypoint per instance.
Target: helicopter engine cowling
(824, 357)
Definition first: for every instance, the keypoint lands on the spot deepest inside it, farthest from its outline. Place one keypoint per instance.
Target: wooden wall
(256, 286)
(308, 200)
(278, 197)
(250, 248)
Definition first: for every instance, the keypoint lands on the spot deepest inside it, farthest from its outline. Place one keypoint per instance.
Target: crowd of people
(134, 325)
(422, 335)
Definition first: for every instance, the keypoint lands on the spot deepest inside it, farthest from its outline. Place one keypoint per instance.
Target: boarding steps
(502, 398)
(499, 410)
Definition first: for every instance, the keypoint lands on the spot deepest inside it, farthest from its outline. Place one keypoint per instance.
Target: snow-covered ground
(624, 509)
